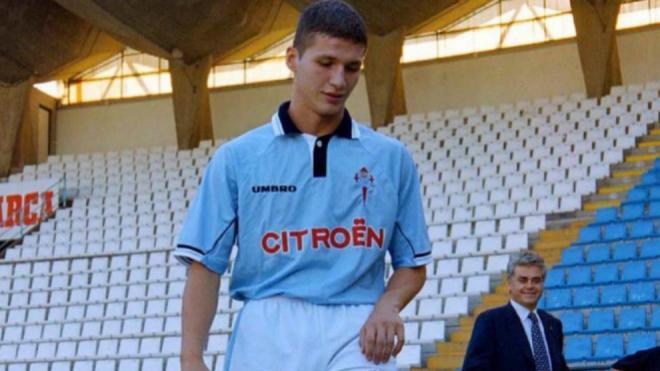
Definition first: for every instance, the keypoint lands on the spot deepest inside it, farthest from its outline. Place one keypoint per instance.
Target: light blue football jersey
(310, 226)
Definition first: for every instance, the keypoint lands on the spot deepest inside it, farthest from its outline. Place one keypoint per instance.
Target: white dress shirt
(523, 314)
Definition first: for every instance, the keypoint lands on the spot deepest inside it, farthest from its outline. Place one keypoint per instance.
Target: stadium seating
(97, 287)
(606, 289)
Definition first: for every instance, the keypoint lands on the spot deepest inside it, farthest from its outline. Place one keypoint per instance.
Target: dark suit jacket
(499, 342)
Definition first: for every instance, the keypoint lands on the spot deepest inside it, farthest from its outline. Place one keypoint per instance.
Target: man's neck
(309, 122)
(531, 309)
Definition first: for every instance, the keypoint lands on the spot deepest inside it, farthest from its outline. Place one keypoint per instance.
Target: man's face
(526, 285)
(325, 74)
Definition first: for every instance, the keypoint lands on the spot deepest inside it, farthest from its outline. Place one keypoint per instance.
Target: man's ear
(291, 58)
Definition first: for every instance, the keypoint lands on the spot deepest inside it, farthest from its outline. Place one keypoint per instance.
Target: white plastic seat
(472, 265)
(456, 305)
(515, 242)
(442, 248)
(451, 286)
(150, 345)
(477, 285)
(459, 230)
(509, 225)
(490, 244)
(497, 263)
(534, 223)
(446, 267)
(548, 205)
(525, 207)
(484, 227)
(430, 288)
(129, 364)
(105, 365)
(437, 232)
(432, 330)
(410, 356)
(430, 307)
(466, 246)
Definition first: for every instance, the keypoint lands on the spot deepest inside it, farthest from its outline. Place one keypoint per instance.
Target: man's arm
(200, 301)
(384, 323)
(481, 350)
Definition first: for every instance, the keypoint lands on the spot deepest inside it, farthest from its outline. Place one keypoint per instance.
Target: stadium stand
(96, 287)
(606, 288)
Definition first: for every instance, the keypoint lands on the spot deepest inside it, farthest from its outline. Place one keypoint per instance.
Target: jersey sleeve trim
(186, 254)
(222, 234)
(412, 248)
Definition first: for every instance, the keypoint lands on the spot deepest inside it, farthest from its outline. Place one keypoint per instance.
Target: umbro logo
(274, 188)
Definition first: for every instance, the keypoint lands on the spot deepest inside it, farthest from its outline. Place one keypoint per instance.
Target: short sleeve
(211, 224)
(410, 246)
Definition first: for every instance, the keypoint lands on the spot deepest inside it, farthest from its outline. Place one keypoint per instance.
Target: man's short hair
(525, 258)
(332, 18)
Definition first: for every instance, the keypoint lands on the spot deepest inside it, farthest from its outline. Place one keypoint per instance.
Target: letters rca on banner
(24, 205)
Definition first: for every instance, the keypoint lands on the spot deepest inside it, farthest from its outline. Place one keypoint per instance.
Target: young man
(313, 201)
(518, 336)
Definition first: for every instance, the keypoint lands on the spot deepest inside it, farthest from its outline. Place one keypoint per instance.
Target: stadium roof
(47, 39)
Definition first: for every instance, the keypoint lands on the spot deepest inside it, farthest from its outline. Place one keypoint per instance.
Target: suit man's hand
(382, 336)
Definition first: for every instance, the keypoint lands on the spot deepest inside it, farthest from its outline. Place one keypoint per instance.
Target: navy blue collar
(344, 130)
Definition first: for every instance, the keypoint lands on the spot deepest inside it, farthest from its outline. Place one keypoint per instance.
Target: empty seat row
(453, 286)
(619, 231)
(602, 320)
(601, 252)
(630, 211)
(502, 210)
(606, 347)
(604, 273)
(469, 265)
(479, 246)
(506, 188)
(482, 228)
(435, 307)
(134, 362)
(586, 296)
(152, 345)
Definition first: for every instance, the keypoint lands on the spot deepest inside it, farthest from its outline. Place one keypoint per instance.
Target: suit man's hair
(525, 258)
(332, 18)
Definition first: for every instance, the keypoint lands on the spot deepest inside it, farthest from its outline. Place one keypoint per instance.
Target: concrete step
(624, 187)
(451, 348)
(621, 178)
(598, 204)
(644, 154)
(445, 362)
(650, 143)
(625, 166)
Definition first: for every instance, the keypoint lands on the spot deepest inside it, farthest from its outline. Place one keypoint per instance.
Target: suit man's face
(526, 285)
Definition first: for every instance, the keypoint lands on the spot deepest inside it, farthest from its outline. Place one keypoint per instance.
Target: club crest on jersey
(366, 182)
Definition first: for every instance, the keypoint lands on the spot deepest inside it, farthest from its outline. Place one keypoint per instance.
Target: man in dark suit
(518, 336)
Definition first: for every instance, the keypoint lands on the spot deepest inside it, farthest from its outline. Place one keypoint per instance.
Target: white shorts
(283, 334)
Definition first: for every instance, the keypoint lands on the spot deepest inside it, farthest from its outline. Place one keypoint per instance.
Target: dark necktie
(540, 354)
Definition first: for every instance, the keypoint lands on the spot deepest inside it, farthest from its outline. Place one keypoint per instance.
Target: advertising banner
(24, 205)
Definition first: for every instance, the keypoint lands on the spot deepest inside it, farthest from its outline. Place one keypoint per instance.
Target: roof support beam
(383, 76)
(595, 25)
(12, 100)
(190, 95)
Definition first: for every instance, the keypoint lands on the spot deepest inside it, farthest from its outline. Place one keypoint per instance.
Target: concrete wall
(116, 126)
(493, 78)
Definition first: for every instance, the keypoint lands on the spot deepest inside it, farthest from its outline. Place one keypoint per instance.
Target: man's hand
(382, 336)
(193, 365)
